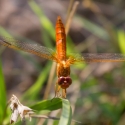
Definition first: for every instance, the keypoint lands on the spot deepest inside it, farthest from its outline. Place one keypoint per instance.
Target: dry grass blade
(68, 22)
(69, 9)
(49, 83)
(51, 117)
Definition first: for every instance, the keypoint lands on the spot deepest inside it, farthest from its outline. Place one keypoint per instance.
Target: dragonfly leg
(57, 89)
(63, 93)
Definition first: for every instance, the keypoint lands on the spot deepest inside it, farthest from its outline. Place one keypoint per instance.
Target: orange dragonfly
(63, 61)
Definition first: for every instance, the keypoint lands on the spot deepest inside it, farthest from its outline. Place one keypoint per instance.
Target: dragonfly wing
(104, 57)
(33, 48)
(97, 57)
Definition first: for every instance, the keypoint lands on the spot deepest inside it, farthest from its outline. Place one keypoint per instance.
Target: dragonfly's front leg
(63, 93)
(57, 89)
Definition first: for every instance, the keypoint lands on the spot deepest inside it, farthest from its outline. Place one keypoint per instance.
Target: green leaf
(121, 40)
(33, 91)
(45, 23)
(49, 105)
(93, 28)
(2, 96)
(66, 115)
(3, 32)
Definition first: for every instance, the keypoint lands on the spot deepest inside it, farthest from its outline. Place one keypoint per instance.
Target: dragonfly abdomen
(60, 40)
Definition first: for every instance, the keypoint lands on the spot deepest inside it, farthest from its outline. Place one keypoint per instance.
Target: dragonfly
(63, 60)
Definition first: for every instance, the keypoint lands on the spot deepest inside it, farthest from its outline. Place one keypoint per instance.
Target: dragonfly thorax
(63, 69)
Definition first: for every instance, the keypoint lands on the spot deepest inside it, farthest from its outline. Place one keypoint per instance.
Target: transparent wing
(97, 57)
(38, 50)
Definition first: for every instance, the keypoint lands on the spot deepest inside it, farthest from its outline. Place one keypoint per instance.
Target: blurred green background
(97, 94)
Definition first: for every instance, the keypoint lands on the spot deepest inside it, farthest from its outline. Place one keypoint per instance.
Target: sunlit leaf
(2, 96)
(66, 115)
(50, 105)
(121, 40)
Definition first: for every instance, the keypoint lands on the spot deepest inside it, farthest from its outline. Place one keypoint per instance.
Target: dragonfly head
(64, 82)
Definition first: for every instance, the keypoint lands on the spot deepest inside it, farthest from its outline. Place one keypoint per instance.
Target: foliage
(97, 94)
(2, 96)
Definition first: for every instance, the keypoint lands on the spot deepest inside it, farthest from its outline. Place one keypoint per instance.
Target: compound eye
(61, 80)
(69, 80)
